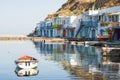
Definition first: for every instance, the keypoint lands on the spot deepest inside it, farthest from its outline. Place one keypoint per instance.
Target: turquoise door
(51, 33)
(86, 33)
(93, 34)
(72, 33)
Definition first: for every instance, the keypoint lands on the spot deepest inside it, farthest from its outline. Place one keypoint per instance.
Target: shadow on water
(82, 61)
(113, 55)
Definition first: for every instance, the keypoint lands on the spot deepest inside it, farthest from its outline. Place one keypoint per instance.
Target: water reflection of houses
(55, 51)
(82, 61)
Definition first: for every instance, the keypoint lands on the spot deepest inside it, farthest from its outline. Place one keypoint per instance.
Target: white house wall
(73, 21)
(110, 10)
(54, 32)
(93, 12)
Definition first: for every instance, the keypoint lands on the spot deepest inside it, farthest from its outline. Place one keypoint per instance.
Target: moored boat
(102, 38)
(26, 62)
(110, 48)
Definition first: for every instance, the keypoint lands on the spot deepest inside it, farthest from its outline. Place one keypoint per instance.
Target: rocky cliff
(75, 7)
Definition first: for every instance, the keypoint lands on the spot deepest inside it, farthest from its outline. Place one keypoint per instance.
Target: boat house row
(98, 24)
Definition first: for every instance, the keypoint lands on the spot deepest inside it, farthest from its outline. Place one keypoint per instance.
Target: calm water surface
(12, 50)
(57, 62)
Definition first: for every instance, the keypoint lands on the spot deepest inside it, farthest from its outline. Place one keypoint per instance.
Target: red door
(64, 33)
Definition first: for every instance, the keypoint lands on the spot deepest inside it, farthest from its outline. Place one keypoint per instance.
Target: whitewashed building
(109, 24)
(64, 26)
(87, 24)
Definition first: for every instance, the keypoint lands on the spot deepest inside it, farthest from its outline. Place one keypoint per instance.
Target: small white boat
(26, 62)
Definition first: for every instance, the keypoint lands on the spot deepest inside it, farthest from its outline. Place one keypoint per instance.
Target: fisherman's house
(64, 26)
(88, 23)
(109, 24)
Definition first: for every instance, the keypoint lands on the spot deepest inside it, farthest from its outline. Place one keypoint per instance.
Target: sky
(19, 17)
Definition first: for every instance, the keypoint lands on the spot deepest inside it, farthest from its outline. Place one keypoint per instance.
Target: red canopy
(25, 58)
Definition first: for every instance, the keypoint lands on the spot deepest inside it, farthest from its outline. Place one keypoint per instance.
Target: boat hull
(26, 62)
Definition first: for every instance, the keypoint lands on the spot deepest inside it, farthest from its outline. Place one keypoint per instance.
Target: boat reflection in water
(26, 72)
